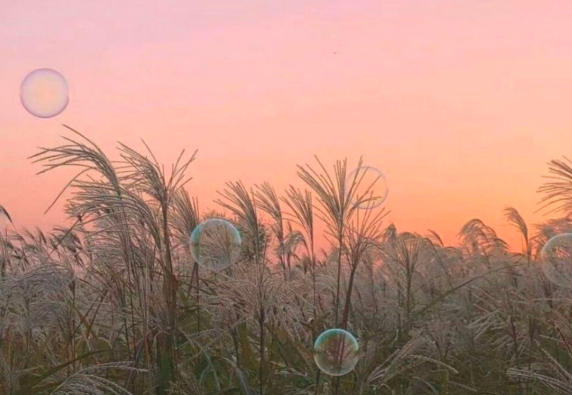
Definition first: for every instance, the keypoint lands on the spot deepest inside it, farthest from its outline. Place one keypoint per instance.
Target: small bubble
(367, 187)
(556, 260)
(44, 93)
(215, 244)
(336, 352)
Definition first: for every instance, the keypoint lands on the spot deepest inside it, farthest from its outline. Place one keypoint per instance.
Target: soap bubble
(369, 187)
(556, 260)
(336, 352)
(5, 219)
(215, 244)
(44, 93)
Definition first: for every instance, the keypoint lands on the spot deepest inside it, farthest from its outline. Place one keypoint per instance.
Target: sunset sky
(459, 103)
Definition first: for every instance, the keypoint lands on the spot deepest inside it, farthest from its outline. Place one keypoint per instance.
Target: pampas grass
(113, 303)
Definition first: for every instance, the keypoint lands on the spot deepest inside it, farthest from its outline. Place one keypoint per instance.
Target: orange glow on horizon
(460, 104)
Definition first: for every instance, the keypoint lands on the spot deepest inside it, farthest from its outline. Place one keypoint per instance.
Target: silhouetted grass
(115, 303)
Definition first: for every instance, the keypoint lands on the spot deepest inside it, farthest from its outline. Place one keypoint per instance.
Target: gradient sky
(460, 103)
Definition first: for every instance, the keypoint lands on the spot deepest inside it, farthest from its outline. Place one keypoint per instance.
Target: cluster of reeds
(113, 303)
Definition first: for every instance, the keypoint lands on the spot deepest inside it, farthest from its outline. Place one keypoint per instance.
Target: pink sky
(460, 103)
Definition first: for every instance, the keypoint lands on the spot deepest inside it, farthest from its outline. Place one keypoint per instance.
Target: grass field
(115, 303)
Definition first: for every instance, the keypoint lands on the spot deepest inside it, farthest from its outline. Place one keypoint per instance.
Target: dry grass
(115, 304)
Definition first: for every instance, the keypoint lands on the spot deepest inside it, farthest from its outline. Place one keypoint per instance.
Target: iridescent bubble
(5, 219)
(44, 93)
(333, 257)
(336, 352)
(215, 244)
(368, 187)
(556, 260)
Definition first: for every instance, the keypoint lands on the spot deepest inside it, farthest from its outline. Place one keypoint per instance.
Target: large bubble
(215, 244)
(556, 260)
(336, 352)
(44, 93)
(369, 187)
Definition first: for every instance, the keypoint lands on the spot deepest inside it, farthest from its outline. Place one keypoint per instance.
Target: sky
(460, 103)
